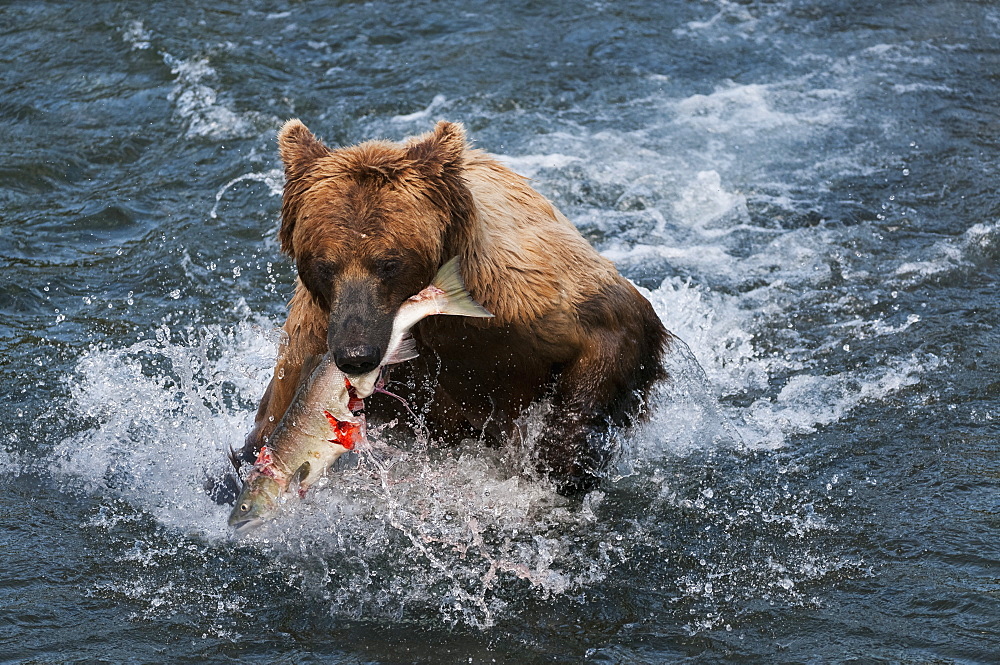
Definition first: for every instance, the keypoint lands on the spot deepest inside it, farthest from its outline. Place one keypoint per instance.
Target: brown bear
(369, 225)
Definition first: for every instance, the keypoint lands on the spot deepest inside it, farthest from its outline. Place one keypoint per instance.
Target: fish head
(257, 502)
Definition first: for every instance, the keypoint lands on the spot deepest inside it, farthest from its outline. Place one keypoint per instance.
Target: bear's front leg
(574, 451)
(576, 444)
(604, 388)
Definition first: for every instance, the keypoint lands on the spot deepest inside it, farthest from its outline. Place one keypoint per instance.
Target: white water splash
(530, 165)
(165, 417)
(424, 114)
(977, 247)
(464, 530)
(808, 402)
(196, 104)
(136, 35)
(474, 526)
(274, 179)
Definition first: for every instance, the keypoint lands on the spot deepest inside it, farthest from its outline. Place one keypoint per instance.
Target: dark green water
(807, 190)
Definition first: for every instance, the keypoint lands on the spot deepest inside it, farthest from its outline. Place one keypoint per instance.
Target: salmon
(322, 422)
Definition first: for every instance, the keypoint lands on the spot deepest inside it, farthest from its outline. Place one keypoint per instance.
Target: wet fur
(380, 218)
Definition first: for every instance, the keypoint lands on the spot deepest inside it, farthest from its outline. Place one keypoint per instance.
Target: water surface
(805, 191)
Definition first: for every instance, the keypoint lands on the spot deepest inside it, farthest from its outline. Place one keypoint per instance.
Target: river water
(807, 192)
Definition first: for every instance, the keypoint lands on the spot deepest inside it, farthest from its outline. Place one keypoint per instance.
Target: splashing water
(460, 528)
(409, 527)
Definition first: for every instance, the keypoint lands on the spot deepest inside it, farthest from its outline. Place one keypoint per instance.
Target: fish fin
(234, 458)
(407, 350)
(456, 299)
(295, 483)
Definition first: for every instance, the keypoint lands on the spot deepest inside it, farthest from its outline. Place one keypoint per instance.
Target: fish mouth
(245, 526)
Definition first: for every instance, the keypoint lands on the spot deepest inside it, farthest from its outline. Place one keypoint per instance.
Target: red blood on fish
(345, 432)
(264, 464)
(354, 402)
(263, 458)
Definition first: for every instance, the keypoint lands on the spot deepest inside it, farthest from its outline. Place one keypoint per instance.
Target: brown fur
(372, 223)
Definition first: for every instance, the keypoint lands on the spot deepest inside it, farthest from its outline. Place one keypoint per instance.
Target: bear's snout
(360, 327)
(359, 359)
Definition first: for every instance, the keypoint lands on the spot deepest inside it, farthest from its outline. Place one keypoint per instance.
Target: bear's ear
(439, 151)
(298, 147)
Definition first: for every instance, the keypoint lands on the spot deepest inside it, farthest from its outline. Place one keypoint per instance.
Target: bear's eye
(319, 276)
(388, 268)
(319, 273)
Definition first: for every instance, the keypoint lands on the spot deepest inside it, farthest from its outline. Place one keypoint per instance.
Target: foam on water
(197, 104)
(729, 17)
(425, 114)
(274, 179)
(978, 246)
(136, 35)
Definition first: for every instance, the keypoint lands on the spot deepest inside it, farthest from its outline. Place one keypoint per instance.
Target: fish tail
(456, 299)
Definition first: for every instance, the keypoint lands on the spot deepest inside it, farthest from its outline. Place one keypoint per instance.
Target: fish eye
(244, 507)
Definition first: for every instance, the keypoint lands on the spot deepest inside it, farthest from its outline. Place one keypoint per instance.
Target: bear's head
(367, 227)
